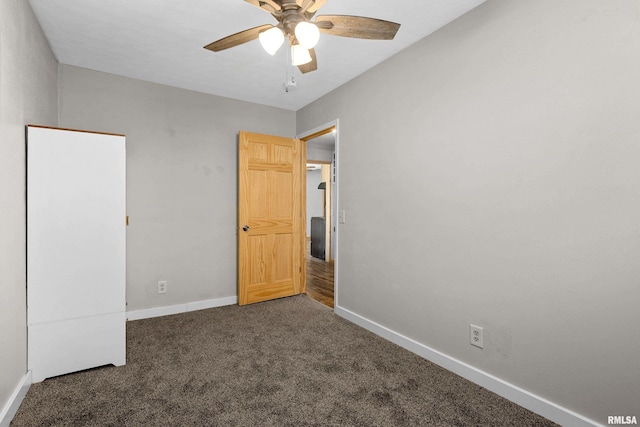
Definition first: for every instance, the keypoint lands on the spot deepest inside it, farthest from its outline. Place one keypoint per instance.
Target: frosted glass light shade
(271, 40)
(299, 55)
(307, 34)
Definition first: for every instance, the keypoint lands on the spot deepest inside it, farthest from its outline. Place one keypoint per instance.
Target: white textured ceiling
(162, 41)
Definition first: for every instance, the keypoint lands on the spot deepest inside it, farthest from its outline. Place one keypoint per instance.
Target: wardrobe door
(75, 250)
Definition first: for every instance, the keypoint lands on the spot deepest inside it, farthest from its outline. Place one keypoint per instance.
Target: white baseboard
(530, 401)
(180, 308)
(10, 409)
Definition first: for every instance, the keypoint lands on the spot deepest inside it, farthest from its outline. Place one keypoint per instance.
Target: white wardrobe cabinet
(76, 240)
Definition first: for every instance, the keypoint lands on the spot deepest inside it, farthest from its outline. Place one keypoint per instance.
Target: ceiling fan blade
(358, 27)
(237, 38)
(267, 5)
(310, 66)
(316, 5)
(313, 8)
(304, 5)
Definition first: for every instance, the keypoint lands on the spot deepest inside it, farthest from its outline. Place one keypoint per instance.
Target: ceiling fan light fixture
(271, 40)
(307, 34)
(299, 55)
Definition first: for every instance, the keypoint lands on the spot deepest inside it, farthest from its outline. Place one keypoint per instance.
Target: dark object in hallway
(318, 236)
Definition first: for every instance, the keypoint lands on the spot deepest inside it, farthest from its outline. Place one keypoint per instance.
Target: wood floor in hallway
(319, 279)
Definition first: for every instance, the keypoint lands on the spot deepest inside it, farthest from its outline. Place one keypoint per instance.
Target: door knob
(245, 228)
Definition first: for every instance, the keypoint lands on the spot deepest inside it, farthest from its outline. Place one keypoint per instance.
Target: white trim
(180, 308)
(12, 405)
(524, 398)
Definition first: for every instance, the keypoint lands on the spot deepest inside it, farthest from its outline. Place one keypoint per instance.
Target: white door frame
(334, 209)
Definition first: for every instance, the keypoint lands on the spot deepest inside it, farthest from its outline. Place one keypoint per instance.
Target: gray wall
(317, 152)
(28, 94)
(181, 178)
(507, 146)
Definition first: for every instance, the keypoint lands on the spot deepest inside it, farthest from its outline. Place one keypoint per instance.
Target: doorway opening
(322, 202)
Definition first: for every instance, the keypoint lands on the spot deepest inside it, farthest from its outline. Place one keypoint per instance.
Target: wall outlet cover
(476, 337)
(162, 287)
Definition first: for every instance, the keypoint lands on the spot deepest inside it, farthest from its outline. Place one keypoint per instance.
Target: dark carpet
(285, 362)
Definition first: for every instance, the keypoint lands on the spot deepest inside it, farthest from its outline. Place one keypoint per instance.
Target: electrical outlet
(162, 287)
(476, 336)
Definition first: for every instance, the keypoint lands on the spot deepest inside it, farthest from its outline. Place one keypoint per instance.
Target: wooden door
(271, 217)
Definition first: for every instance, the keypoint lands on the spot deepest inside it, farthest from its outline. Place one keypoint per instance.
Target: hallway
(319, 278)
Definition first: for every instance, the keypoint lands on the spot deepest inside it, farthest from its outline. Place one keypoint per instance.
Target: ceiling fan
(294, 23)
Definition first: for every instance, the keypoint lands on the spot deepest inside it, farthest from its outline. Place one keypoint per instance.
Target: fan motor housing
(290, 19)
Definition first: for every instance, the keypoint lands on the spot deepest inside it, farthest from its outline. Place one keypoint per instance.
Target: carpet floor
(289, 362)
